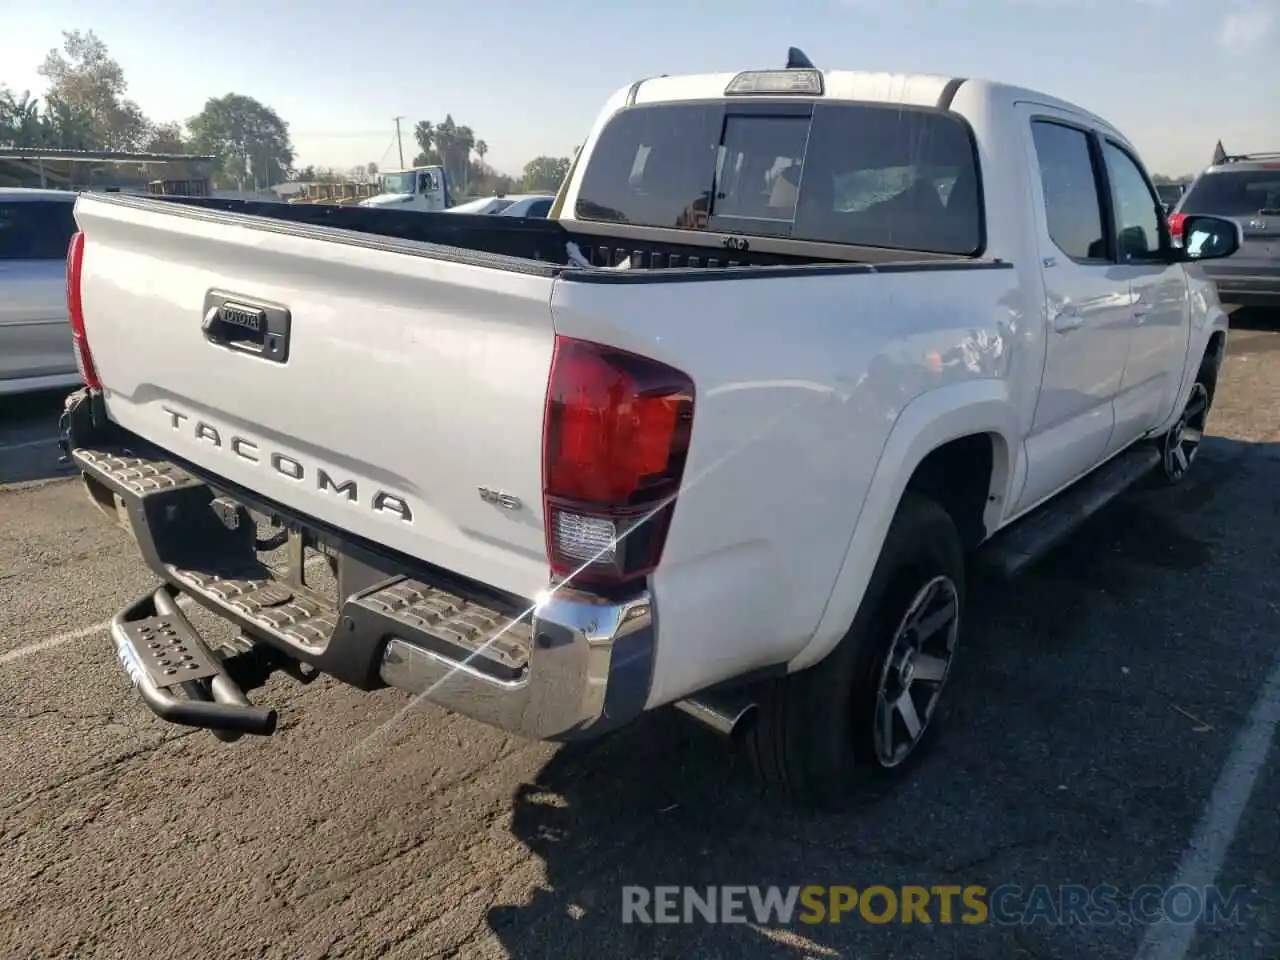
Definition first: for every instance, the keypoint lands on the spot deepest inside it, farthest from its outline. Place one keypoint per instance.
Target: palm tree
(466, 141)
(21, 121)
(72, 127)
(445, 134)
(424, 132)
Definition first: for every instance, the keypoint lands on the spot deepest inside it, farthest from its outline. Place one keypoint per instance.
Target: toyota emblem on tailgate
(238, 316)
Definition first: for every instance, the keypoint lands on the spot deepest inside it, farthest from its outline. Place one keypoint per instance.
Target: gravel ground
(1099, 731)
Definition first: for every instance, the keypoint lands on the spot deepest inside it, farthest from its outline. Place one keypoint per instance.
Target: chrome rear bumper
(589, 671)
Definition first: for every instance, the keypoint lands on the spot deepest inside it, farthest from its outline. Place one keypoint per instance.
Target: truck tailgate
(404, 384)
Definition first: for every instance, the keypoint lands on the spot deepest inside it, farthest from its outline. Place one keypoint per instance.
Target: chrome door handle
(1067, 321)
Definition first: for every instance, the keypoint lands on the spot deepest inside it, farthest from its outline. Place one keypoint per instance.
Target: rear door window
(859, 174)
(36, 229)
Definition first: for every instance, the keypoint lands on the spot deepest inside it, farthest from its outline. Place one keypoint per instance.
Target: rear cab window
(36, 229)
(874, 175)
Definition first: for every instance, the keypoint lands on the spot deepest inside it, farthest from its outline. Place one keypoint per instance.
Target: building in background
(104, 170)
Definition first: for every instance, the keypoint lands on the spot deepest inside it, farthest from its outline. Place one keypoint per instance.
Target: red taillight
(1175, 225)
(615, 438)
(75, 312)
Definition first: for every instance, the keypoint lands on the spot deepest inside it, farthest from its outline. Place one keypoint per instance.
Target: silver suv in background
(512, 205)
(35, 335)
(1246, 188)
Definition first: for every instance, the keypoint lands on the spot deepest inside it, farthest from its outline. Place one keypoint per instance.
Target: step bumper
(566, 665)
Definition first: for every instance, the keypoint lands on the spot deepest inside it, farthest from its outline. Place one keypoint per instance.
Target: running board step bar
(164, 655)
(1027, 540)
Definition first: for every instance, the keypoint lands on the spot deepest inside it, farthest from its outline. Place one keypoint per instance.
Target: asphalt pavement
(1110, 725)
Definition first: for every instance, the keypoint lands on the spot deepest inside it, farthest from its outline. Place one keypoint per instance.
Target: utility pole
(399, 142)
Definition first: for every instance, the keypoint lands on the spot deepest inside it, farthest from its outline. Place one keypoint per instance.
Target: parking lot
(1109, 724)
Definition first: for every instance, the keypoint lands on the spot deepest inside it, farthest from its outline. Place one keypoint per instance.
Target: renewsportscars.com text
(941, 904)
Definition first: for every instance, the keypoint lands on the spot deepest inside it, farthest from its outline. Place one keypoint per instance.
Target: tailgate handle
(247, 325)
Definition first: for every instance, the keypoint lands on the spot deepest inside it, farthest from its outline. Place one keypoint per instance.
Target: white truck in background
(420, 189)
(734, 453)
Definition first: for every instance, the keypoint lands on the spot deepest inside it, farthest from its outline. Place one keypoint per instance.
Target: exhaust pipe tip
(724, 713)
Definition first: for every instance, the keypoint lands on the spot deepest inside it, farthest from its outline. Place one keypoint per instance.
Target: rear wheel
(866, 711)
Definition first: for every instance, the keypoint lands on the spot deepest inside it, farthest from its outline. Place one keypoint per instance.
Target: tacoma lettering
(287, 466)
(326, 482)
(244, 449)
(381, 501)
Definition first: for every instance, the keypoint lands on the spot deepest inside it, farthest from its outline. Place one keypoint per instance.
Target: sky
(529, 78)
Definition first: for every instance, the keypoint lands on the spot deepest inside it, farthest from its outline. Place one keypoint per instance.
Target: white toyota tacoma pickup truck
(723, 432)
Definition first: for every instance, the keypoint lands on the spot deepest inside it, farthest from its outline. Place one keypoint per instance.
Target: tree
(448, 145)
(372, 168)
(24, 123)
(424, 133)
(464, 142)
(481, 149)
(545, 174)
(70, 127)
(166, 138)
(249, 137)
(21, 122)
(86, 96)
(1160, 179)
(453, 144)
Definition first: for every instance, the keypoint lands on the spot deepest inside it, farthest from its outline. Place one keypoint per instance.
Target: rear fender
(1207, 319)
(925, 424)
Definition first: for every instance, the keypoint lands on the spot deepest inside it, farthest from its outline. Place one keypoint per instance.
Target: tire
(1180, 444)
(814, 734)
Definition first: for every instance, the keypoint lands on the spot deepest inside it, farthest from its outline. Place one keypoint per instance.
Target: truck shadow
(665, 803)
(29, 437)
(1255, 318)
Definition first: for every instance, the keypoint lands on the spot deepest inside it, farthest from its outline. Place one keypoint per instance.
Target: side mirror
(1210, 238)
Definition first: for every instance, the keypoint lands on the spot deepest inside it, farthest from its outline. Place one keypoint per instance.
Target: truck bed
(544, 241)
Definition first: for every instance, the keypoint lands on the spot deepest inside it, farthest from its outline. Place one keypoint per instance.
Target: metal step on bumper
(567, 665)
(178, 677)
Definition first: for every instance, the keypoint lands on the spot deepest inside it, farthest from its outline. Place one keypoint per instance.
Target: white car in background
(36, 351)
(511, 205)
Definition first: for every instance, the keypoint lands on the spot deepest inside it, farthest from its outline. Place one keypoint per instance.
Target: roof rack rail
(1241, 157)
